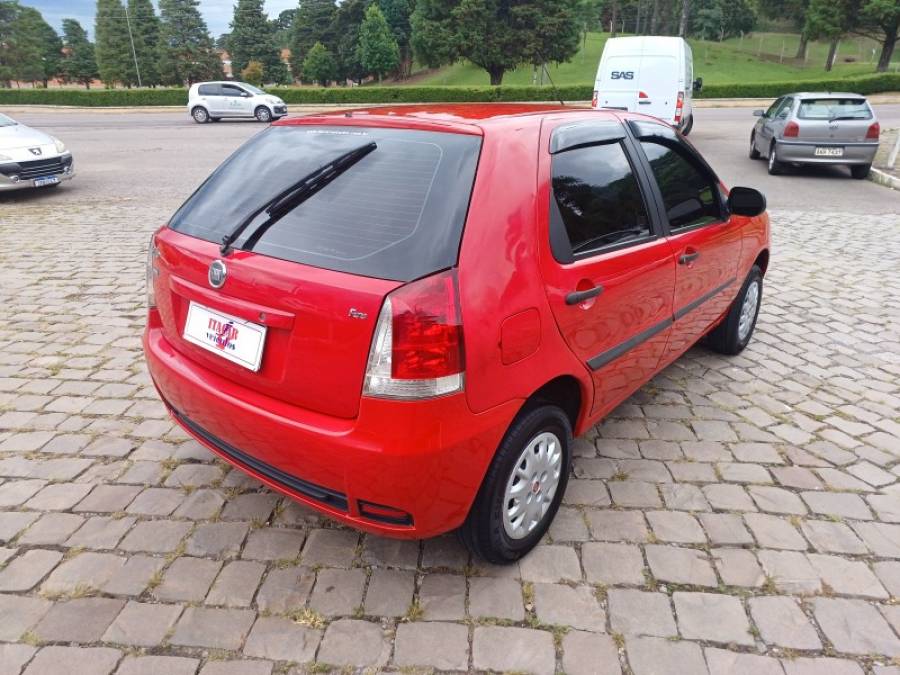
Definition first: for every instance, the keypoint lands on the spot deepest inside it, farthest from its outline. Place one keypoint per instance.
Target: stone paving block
(887, 507)
(820, 666)
(658, 656)
(285, 589)
(101, 532)
(155, 536)
(108, 498)
(11, 523)
(882, 539)
(442, 597)
(586, 493)
(79, 620)
(15, 492)
(490, 597)
(26, 570)
(431, 644)
(790, 571)
(757, 453)
(524, 650)
(728, 497)
(797, 477)
(134, 576)
(213, 628)
(336, 548)
(775, 532)
(243, 667)
(338, 592)
(838, 504)
(676, 527)
(272, 543)
(839, 480)
(82, 660)
(847, 577)
(680, 565)
(52, 528)
(142, 624)
(888, 573)
(781, 622)
(692, 472)
(830, 537)
(871, 474)
(58, 497)
(550, 564)
(634, 494)
(155, 501)
(200, 505)
(187, 579)
(562, 605)
(732, 472)
(348, 642)
(151, 665)
(712, 617)
(738, 567)
(725, 529)
(381, 551)
(444, 552)
(194, 475)
(589, 654)
(236, 584)
(218, 540)
(776, 500)
(683, 497)
(855, 627)
(723, 662)
(20, 613)
(635, 612)
(281, 639)
(612, 564)
(13, 657)
(617, 525)
(250, 507)
(569, 525)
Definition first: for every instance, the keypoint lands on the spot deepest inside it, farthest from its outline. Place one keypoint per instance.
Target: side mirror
(698, 84)
(759, 113)
(744, 201)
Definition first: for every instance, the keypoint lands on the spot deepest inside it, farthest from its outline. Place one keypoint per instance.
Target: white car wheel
(200, 115)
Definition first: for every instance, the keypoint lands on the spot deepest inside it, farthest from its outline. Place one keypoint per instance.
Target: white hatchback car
(215, 100)
(30, 158)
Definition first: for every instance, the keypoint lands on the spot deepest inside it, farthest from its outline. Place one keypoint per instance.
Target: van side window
(596, 199)
(690, 196)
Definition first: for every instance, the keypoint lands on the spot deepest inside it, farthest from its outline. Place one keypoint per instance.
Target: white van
(648, 74)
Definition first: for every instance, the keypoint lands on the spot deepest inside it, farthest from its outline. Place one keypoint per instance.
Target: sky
(217, 13)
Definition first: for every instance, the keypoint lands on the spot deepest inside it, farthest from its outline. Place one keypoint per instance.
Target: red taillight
(427, 331)
(417, 350)
(874, 131)
(791, 130)
(596, 99)
(642, 94)
(679, 107)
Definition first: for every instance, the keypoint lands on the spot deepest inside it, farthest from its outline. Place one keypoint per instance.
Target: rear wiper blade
(294, 195)
(846, 117)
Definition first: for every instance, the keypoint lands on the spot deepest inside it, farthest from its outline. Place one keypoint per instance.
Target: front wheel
(732, 335)
(200, 115)
(860, 171)
(263, 114)
(523, 487)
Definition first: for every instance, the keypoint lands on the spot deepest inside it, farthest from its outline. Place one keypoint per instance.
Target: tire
(754, 153)
(200, 115)
(860, 171)
(544, 434)
(688, 125)
(215, 119)
(263, 114)
(775, 167)
(732, 335)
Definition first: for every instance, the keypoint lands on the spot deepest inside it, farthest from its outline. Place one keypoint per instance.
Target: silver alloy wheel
(532, 486)
(748, 310)
(200, 115)
(263, 114)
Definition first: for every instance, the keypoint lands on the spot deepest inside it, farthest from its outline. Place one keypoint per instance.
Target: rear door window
(209, 90)
(396, 214)
(834, 108)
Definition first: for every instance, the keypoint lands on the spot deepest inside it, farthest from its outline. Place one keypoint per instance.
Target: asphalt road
(163, 156)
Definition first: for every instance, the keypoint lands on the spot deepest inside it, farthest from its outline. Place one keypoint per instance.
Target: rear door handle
(577, 297)
(686, 258)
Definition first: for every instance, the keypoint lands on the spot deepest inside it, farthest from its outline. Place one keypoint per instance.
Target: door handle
(686, 258)
(577, 297)
(644, 102)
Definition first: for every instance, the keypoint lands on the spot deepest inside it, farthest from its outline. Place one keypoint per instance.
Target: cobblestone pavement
(735, 516)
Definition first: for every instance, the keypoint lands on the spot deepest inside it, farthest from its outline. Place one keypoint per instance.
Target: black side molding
(690, 307)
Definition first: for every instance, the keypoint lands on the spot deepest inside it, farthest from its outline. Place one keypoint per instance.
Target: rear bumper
(426, 458)
(803, 152)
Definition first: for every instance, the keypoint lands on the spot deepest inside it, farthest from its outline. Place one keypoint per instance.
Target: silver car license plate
(45, 180)
(829, 152)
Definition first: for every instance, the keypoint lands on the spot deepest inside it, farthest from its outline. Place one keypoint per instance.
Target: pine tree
(79, 64)
(30, 50)
(397, 13)
(145, 30)
(187, 54)
(252, 39)
(346, 25)
(313, 23)
(378, 51)
(51, 46)
(319, 65)
(115, 61)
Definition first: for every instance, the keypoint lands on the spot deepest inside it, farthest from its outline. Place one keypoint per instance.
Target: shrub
(253, 73)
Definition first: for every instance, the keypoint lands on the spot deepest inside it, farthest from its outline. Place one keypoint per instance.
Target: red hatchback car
(401, 316)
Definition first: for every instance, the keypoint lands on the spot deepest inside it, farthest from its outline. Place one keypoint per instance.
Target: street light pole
(137, 68)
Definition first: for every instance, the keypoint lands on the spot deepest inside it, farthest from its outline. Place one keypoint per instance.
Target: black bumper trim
(332, 498)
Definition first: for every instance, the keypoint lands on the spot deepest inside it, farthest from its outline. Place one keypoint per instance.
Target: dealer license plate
(239, 341)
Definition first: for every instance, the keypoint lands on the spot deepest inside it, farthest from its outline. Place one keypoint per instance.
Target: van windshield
(398, 213)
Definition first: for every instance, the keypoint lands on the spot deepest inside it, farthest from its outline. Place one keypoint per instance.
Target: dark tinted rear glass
(209, 90)
(396, 214)
(830, 108)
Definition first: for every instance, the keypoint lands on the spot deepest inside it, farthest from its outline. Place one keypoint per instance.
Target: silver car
(30, 158)
(817, 128)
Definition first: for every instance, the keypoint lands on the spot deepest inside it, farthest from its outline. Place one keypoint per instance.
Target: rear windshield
(396, 214)
(831, 108)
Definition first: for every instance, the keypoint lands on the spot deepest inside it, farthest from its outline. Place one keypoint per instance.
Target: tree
(79, 64)
(496, 35)
(144, 26)
(51, 46)
(115, 61)
(187, 54)
(319, 65)
(345, 27)
(880, 20)
(830, 19)
(377, 51)
(312, 23)
(252, 39)
(282, 26)
(792, 10)
(397, 14)
(721, 19)
(253, 73)
(685, 17)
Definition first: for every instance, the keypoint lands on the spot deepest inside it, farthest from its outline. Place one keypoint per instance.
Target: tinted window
(209, 90)
(396, 214)
(831, 108)
(231, 90)
(689, 195)
(597, 198)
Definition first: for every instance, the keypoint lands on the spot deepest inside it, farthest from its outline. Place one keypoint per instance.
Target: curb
(884, 178)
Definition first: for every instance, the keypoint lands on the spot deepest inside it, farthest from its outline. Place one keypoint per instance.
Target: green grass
(726, 62)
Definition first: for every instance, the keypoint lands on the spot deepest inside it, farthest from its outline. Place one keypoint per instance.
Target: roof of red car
(459, 117)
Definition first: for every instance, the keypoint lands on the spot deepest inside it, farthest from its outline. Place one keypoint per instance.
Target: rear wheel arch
(564, 391)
